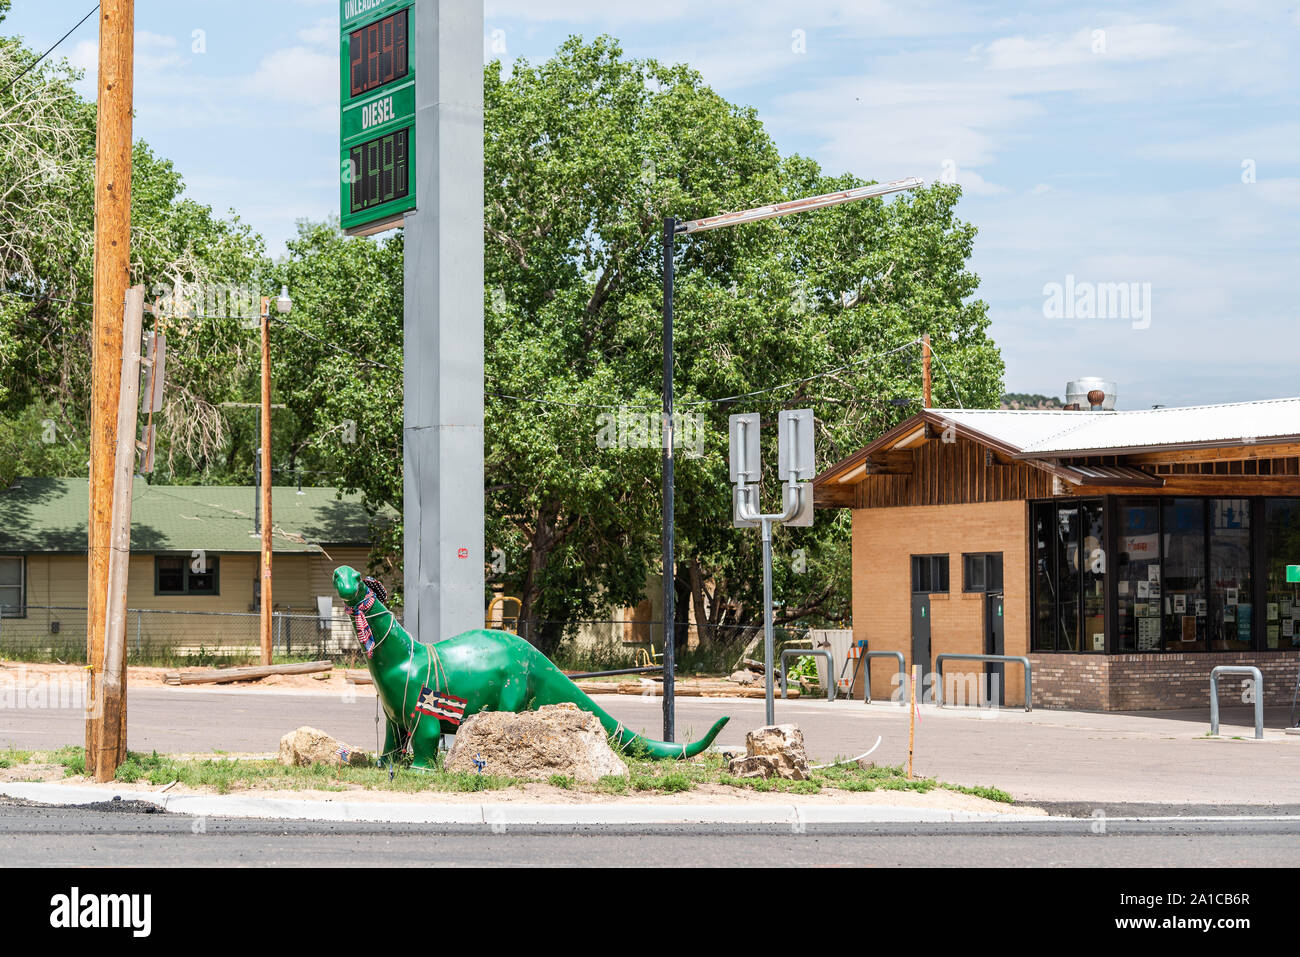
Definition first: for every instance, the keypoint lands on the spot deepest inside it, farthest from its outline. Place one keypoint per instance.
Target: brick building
(1126, 553)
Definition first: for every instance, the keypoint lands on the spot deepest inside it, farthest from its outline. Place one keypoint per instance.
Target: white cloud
(296, 75)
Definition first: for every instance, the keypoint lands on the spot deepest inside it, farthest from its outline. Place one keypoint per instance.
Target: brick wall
(884, 539)
(1155, 681)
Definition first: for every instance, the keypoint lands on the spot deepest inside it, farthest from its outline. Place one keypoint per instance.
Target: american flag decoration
(445, 707)
(343, 754)
(364, 634)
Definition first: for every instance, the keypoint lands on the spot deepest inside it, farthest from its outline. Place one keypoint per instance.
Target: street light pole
(671, 228)
(669, 579)
(282, 305)
(265, 490)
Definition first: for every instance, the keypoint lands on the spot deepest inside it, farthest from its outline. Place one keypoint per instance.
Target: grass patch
(646, 776)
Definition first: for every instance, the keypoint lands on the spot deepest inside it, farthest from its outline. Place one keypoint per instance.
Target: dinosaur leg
(392, 744)
(424, 745)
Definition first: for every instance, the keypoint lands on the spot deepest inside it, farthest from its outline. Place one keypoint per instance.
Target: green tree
(180, 252)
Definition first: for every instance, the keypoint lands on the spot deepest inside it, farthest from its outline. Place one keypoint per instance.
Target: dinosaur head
(347, 582)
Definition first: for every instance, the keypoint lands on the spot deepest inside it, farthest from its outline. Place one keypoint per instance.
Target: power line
(948, 374)
(33, 65)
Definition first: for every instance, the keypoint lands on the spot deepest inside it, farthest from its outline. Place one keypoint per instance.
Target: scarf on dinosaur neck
(362, 623)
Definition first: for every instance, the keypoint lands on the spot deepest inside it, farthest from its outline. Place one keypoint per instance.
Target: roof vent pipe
(1091, 393)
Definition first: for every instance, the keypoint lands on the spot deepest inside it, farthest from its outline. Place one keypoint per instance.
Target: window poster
(1245, 622)
(1144, 590)
(1200, 608)
(1272, 611)
(1272, 633)
(1148, 634)
(1180, 604)
(1286, 608)
(1288, 627)
(1123, 587)
(1153, 573)
(1229, 612)
(1189, 628)
(1230, 596)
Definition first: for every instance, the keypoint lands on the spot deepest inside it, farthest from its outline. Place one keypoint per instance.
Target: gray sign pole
(442, 428)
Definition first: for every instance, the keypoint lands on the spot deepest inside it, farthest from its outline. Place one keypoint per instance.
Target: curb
(505, 814)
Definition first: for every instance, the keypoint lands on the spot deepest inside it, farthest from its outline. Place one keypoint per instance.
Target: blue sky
(1155, 144)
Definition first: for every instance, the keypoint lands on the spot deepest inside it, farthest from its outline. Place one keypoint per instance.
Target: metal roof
(1055, 432)
(49, 515)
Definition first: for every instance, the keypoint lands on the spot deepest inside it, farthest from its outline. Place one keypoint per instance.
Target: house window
(982, 572)
(13, 587)
(929, 574)
(186, 576)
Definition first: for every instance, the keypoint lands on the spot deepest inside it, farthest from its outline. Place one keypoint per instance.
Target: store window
(1043, 521)
(13, 587)
(982, 572)
(1281, 547)
(1181, 598)
(1069, 576)
(186, 576)
(1231, 619)
(929, 574)
(1137, 566)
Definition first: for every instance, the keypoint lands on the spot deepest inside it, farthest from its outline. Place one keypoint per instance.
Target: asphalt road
(1159, 757)
(38, 836)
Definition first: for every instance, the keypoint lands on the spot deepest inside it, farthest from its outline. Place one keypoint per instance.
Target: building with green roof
(194, 549)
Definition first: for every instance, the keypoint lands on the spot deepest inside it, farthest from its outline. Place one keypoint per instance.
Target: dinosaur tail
(556, 687)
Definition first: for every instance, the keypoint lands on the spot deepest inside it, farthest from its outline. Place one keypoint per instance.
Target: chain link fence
(179, 638)
(227, 639)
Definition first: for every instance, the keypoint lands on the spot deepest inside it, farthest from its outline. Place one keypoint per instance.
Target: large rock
(745, 677)
(773, 751)
(313, 746)
(554, 739)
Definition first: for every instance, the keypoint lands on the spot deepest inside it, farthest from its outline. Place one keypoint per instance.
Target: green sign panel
(377, 117)
(1293, 573)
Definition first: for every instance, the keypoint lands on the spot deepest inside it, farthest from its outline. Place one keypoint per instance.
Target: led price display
(377, 53)
(381, 170)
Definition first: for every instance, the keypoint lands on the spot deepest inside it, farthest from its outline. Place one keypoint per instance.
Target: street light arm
(774, 210)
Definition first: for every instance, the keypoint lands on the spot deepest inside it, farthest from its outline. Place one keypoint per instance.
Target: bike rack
(830, 668)
(902, 670)
(1004, 659)
(1253, 672)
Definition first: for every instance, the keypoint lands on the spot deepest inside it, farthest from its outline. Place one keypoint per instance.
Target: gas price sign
(377, 124)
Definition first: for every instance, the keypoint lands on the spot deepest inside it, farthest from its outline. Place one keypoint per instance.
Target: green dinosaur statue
(427, 689)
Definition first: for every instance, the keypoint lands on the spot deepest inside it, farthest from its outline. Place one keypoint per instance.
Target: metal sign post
(795, 464)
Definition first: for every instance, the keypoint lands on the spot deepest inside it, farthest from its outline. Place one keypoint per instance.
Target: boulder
(745, 677)
(554, 739)
(773, 751)
(312, 746)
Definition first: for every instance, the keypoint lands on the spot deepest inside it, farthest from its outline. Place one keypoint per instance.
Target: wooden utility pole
(925, 370)
(266, 481)
(106, 720)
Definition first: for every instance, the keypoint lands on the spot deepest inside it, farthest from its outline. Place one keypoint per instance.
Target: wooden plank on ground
(224, 675)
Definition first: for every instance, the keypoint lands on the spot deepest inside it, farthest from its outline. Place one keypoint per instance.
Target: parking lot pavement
(1147, 757)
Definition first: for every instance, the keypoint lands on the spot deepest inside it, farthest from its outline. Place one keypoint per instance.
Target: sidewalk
(503, 812)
